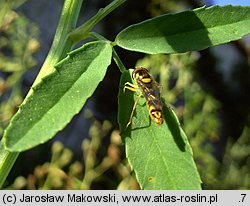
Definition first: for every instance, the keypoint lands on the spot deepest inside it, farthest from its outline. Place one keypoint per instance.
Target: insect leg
(132, 113)
(131, 87)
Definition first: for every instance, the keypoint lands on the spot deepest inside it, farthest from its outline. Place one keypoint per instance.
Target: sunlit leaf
(187, 31)
(58, 97)
(160, 155)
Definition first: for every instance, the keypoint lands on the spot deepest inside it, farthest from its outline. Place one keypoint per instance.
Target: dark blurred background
(209, 90)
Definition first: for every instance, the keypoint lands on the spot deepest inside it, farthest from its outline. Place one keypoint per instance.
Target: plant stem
(7, 160)
(83, 31)
(118, 61)
(115, 56)
(61, 45)
(97, 36)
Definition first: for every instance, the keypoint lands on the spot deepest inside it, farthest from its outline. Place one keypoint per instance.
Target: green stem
(61, 45)
(115, 56)
(83, 31)
(97, 36)
(7, 160)
(118, 61)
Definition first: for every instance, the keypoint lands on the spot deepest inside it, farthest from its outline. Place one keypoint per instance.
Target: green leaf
(58, 97)
(187, 31)
(160, 155)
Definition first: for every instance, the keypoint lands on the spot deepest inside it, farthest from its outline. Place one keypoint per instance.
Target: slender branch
(61, 45)
(83, 31)
(118, 61)
(115, 56)
(7, 160)
(97, 36)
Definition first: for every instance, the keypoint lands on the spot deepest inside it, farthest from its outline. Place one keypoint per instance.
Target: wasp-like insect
(150, 89)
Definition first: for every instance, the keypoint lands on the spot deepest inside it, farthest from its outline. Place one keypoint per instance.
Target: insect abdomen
(155, 113)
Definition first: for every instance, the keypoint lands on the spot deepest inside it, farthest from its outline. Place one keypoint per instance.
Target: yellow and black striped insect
(150, 89)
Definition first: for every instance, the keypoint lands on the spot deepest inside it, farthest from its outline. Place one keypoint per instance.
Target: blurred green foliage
(18, 42)
(157, 7)
(234, 171)
(100, 168)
